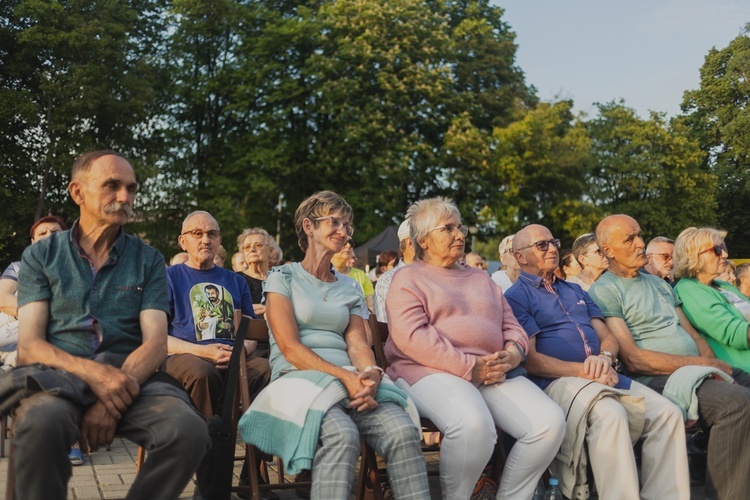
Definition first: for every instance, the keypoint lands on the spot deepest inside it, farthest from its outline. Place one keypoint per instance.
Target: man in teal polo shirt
(93, 301)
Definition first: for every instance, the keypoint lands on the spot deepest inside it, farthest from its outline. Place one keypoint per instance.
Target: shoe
(75, 456)
(303, 477)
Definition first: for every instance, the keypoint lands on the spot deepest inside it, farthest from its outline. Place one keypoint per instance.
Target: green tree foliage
(201, 63)
(650, 169)
(74, 75)
(545, 157)
(719, 115)
(361, 96)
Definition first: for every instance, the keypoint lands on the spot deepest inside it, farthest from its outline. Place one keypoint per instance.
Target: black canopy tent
(368, 252)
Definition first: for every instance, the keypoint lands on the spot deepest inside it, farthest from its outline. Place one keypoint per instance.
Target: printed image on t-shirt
(213, 311)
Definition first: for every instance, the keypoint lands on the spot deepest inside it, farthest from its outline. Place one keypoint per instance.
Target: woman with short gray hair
(256, 244)
(454, 347)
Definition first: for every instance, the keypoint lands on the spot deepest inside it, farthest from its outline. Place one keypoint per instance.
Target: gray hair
(742, 269)
(425, 215)
(657, 240)
(505, 244)
(193, 214)
(581, 244)
(270, 242)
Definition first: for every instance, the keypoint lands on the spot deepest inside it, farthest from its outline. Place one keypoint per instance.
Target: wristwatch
(607, 353)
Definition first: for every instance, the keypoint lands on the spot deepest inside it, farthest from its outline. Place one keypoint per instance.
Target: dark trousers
(204, 383)
(724, 409)
(172, 433)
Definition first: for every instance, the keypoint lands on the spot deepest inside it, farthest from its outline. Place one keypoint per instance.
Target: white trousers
(664, 468)
(467, 416)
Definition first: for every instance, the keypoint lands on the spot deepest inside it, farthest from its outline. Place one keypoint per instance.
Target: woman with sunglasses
(454, 345)
(716, 308)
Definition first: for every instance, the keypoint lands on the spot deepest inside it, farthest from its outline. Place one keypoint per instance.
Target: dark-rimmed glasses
(451, 228)
(717, 249)
(337, 224)
(213, 234)
(666, 257)
(543, 245)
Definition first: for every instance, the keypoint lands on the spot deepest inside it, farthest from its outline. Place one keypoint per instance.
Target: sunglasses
(717, 249)
(543, 245)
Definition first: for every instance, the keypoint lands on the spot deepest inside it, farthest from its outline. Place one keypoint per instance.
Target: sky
(647, 52)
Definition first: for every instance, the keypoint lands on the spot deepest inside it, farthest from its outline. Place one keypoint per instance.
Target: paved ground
(108, 475)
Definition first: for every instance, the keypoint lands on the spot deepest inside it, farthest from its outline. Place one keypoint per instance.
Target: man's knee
(44, 417)
(608, 413)
(182, 429)
(203, 372)
(736, 408)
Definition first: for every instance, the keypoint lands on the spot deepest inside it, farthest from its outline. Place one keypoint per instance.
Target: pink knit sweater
(441, 320)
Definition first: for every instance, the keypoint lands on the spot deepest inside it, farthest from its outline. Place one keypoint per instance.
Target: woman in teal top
(315, 323)
(717, 309)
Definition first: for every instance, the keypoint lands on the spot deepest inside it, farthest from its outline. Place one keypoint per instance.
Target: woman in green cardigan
(716, 308)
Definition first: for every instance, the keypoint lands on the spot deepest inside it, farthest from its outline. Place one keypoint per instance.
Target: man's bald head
(608, 224)
(619, 238)
(185, 223)
(530, 257)
(529, 235)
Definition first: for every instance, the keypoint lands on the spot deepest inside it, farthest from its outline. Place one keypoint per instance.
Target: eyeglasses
(666, 257)
(451, 228)
(212, 234)
(337, 224)
(543, 245)
(717, 249)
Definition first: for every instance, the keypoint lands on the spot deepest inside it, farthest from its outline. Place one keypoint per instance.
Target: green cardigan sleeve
(711, 314)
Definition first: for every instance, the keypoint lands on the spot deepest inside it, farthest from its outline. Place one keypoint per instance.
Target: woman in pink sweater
(453, 338)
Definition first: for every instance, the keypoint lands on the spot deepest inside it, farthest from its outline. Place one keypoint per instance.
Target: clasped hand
(219, 354)
(115, 390)
(493, 368)
(362, 388)
(599, 369)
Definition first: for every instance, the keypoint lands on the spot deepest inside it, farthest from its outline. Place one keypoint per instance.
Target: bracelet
(374, 367)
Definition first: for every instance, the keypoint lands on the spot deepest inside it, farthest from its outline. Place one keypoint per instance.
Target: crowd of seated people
(575, 356)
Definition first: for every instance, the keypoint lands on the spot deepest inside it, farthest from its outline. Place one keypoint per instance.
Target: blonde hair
(688, 247)
(320, 204)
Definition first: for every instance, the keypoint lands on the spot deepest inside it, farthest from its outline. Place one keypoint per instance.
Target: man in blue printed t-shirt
(571, 352)
(93, 301)
(206, 304)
